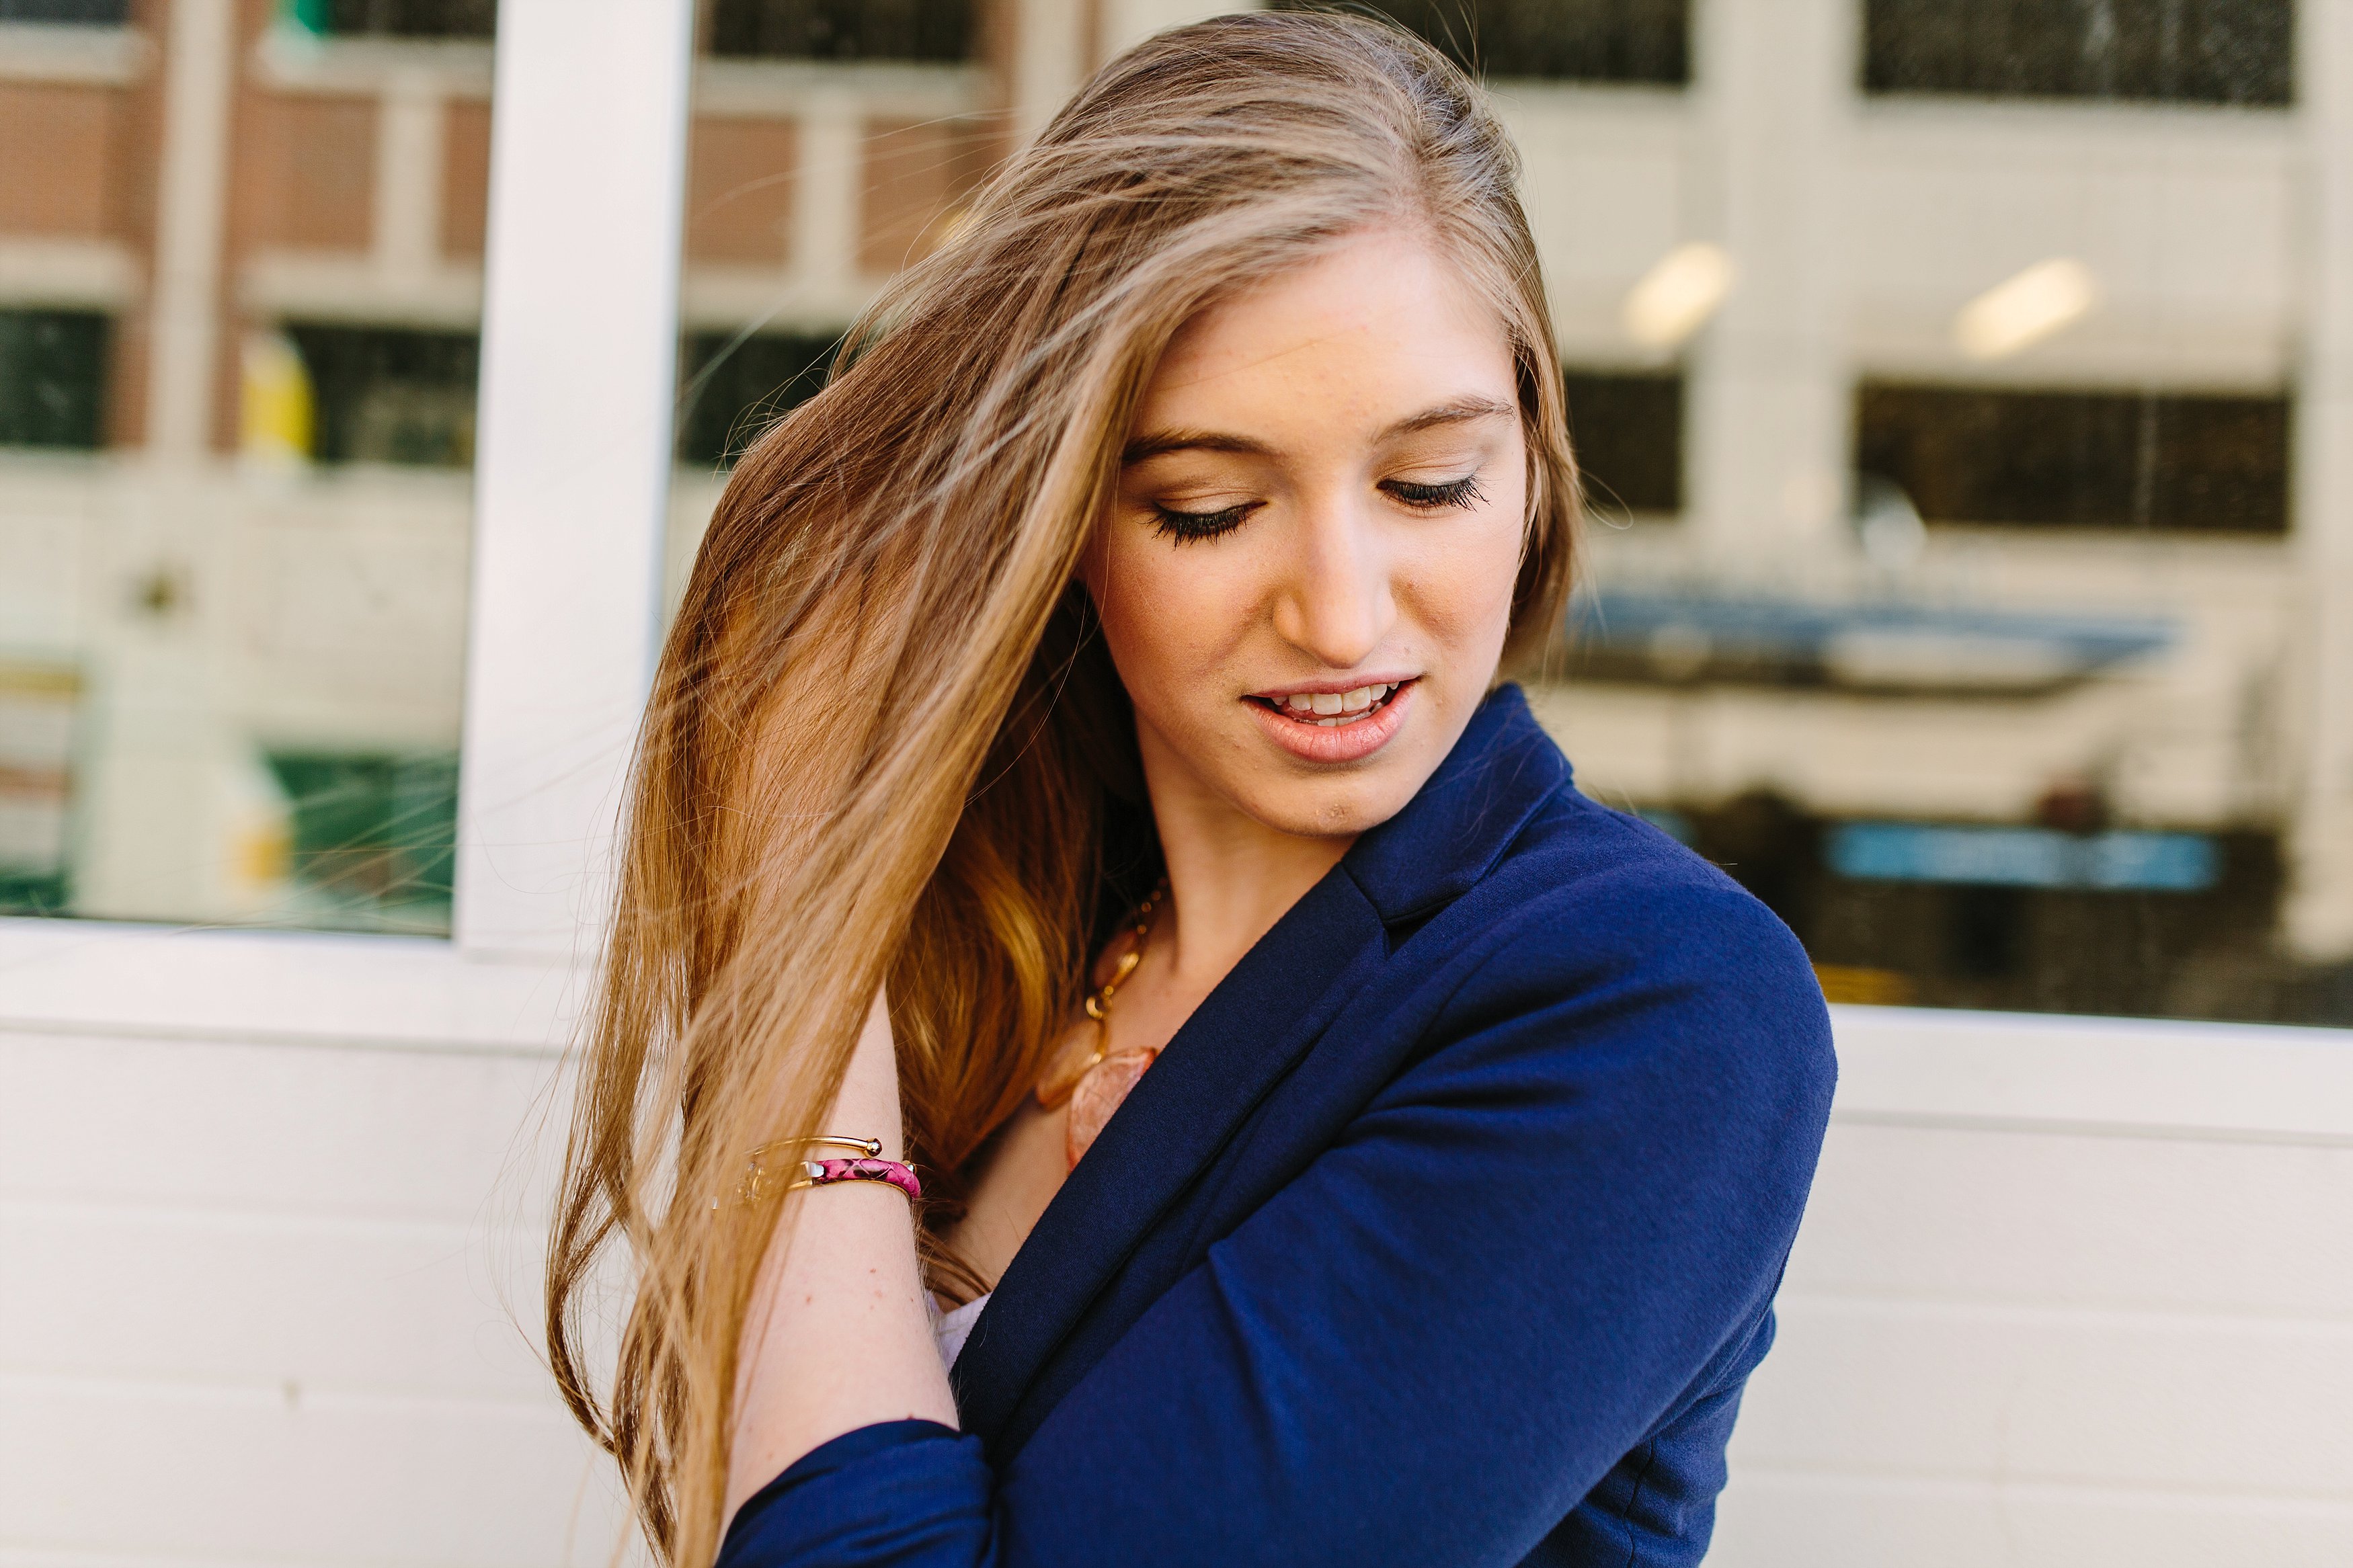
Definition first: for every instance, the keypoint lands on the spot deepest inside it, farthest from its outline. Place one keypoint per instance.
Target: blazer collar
(1462, 819)
(1239, 1044)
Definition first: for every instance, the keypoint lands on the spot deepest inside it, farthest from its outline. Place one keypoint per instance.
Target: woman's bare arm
(838, 1337)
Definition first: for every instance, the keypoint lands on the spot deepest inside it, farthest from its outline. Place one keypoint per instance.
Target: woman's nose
(1336, 603)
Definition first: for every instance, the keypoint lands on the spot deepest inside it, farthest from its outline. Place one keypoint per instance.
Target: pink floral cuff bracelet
(825, 1172)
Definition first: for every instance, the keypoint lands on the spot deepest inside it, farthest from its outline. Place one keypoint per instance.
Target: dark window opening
(390, 395)
(1644, 41)
(1627, 434)
(396, 18)
(78, 13)
(2192, 954)
(732, 395)
(375, 835)
(2084, 459)
(53, 367)
(843, 30)
(2182, 51)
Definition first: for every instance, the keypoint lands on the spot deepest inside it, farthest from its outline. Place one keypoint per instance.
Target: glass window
(1628, 432)
(831, 142)
(84, 13)
(1644, 41)
(737, 386)
(394, 18)
(2190, 51)
(2083, 459)
(843, 30)
(53, 378)
(1949, 585)
(239, 293)
(1984, 639)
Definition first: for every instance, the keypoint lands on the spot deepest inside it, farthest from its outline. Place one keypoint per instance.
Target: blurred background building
(1965, 393)
(1967, 573)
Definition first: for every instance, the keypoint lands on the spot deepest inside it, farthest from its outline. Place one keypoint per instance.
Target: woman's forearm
(838, 1337)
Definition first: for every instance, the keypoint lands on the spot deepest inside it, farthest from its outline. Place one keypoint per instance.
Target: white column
(1772, 90)
(1050, 49)
(579, 349)
(829, 176)
(2320, 913)
(199, 71)
(409, 177)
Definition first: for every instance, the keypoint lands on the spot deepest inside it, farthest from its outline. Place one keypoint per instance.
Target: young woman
(1101, 675)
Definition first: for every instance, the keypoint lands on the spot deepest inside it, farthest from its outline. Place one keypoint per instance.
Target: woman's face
(1306, 577)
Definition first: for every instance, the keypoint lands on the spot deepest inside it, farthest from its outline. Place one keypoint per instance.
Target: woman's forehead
(1381, 325)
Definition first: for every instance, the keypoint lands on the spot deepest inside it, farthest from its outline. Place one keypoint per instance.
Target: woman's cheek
(1462, 598)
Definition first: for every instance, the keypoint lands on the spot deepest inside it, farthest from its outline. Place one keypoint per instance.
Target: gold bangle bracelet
(750, 1188)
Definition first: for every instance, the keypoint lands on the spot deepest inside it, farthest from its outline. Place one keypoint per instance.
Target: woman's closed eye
(1464, 492)
(1187, 526)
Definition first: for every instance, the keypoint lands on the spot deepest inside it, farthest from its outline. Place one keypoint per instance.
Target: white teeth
(1330, 709)
(1328, 723)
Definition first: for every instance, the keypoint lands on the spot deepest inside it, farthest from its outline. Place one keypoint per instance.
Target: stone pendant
(1099, 1093)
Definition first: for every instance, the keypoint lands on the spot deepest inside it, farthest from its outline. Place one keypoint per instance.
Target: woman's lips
(1334, 736)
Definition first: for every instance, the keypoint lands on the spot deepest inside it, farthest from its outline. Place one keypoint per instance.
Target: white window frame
(571, 485)
(572, 477)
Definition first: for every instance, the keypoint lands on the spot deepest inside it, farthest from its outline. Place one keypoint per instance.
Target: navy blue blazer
(1446, 1230)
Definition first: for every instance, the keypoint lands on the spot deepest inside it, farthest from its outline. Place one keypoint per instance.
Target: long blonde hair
(884, 744)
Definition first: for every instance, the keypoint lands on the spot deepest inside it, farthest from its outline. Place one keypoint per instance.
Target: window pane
(1629, 433)
(2085, 460)
(1951, 474)
(239, 297)
(2192, 51)
(832, 141)
(1567, 40)
(1990, 640)
(938, 30)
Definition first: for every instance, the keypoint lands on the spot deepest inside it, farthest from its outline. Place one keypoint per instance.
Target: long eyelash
(1185, 527)
(1462, 492)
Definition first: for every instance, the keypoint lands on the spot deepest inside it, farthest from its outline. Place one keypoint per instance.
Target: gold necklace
(1095, 1084)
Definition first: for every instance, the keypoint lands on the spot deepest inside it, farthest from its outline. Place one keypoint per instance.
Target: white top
(952, 1329)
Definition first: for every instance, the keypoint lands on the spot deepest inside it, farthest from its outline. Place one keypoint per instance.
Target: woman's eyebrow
(1458, 411)
(1161, 442)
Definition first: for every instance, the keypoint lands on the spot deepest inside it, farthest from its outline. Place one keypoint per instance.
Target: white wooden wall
(266, 1290)
(2069, 1294)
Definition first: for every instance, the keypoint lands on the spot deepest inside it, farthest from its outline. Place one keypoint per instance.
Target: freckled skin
(1329, 575)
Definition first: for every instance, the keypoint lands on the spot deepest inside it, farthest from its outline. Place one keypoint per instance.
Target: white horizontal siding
(276, 1302)
(2070, 1293)
(2005, 1345)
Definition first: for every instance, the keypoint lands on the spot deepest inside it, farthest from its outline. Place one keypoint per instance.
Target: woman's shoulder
(1627, 941)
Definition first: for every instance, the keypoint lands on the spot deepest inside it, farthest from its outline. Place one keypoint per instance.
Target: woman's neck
(1231, 876)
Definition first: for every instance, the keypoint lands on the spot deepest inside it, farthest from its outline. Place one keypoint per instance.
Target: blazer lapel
(1252, 1029)
(1234, 1048)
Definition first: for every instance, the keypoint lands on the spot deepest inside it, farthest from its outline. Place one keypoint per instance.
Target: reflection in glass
(2192, 51)
(1645, 41)
(832, 141)
(1944, 586)
(2139, 460)
(1629, 431)
(239, 285)
(843, 30)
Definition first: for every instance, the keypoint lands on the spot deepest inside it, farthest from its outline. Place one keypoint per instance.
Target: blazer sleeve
(1542, 1241)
